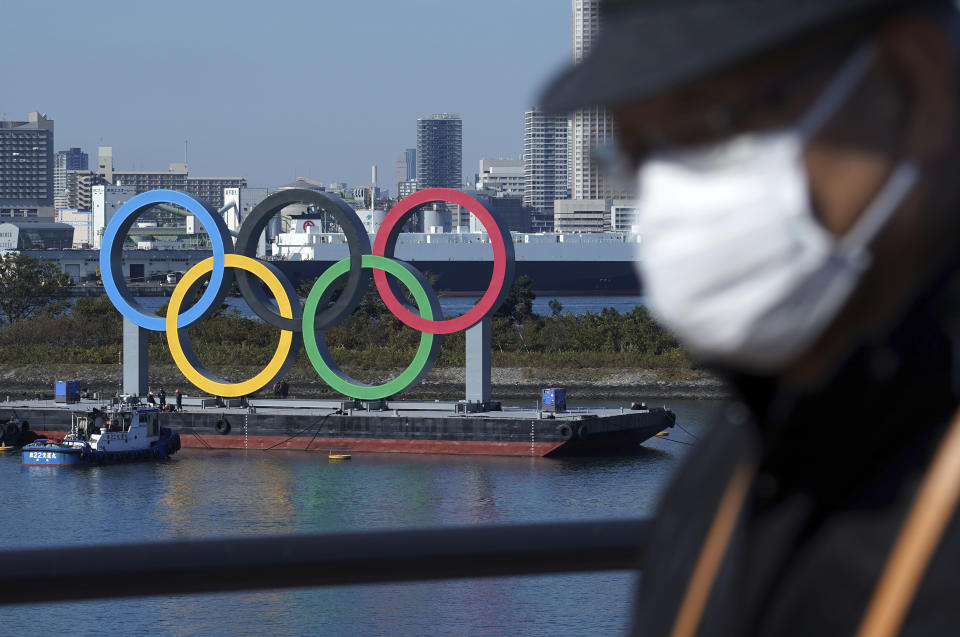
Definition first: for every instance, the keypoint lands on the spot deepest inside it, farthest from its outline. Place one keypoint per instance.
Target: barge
(384, 427)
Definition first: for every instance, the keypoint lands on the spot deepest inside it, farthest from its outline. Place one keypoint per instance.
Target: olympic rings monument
(304, 325)
(473, 426)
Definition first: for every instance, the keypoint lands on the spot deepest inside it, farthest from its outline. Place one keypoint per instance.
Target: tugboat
(125, 435)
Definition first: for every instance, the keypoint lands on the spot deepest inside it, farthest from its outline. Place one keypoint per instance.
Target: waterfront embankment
(515, 383)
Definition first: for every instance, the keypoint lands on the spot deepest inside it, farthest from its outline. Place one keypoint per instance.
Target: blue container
(67, 391)
(554, 399)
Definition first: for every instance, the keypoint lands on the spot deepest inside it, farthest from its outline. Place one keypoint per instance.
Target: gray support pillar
(135, 364)
(478, 362)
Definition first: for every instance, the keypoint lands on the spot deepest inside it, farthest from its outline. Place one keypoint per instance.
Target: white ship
(558, 263)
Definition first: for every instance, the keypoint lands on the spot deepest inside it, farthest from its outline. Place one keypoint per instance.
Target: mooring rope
(202, 441)
(316, 424)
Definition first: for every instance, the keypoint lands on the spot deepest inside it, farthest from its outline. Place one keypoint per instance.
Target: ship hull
(440, 434)
(471, 278)
(52, 456)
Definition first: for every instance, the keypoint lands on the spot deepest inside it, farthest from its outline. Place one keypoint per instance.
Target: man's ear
(918, 51)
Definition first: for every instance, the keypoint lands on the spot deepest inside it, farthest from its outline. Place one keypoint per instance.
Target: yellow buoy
(6, 447)
(339, 456)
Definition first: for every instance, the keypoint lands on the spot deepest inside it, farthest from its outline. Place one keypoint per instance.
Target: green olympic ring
(319, 354)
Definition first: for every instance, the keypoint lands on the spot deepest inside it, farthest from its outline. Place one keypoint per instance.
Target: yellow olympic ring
(199, 377)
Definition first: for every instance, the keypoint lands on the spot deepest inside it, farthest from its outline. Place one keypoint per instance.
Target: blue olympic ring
(119, 225)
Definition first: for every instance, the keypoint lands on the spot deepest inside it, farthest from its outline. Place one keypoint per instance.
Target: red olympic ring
(486, 303)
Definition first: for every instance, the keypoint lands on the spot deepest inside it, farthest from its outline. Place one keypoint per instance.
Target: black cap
(646, 47)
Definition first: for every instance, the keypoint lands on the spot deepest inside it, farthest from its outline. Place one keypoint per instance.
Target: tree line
(47, 328)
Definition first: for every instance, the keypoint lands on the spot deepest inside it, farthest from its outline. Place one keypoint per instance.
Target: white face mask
(732, 258)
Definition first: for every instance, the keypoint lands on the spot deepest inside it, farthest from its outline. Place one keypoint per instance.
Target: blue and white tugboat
(125, 435)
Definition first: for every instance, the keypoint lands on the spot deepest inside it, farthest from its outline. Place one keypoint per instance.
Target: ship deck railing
(419, 408)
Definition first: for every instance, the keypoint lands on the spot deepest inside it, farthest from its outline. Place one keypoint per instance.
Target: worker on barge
(796, 170)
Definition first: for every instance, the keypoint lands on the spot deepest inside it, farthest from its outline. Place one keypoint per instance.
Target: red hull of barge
(371, 445)
(386, 445)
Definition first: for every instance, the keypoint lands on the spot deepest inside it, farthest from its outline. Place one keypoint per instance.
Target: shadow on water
(621, 457)
(640, 451)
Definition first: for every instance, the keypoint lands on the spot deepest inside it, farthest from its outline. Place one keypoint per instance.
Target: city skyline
(286, 94)
(589, 127)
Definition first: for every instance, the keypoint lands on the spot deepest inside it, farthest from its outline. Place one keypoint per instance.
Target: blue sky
(270, 89)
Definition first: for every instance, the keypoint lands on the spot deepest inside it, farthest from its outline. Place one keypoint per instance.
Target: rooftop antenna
(185, 142)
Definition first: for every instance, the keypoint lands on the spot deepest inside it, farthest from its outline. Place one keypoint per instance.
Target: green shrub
(369, 339)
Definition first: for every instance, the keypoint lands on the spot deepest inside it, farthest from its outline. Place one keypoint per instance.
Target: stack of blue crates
(554, 399)
(67, 391)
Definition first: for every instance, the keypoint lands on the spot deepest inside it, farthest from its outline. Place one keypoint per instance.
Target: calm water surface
(201, 494)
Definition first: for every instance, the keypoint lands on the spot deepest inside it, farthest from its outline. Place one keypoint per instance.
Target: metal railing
(215, 565)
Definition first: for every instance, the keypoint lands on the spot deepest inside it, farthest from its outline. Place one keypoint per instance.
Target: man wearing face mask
(798, 175)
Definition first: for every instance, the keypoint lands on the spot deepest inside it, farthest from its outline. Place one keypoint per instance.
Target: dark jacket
(833, 475)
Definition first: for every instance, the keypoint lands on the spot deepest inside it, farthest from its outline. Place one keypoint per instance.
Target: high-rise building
(106, 201)
(581, 215)
(511, 212)
(406, 188)
(244, 200)
(26, 167)
(64, 160)
(175, 178)
(209, 189)
(440, 151)
(105, 162)
(406, 166)
(79, 194)
(623, 216)
(545, 170)
(501, 176)
(589, 127)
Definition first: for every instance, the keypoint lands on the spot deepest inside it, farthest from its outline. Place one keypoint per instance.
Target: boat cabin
(123, 430)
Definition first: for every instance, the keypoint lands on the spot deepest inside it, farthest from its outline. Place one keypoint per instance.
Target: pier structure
(478, 362)
(136, 363)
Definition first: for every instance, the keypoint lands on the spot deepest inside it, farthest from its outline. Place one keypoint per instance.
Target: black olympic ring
(357, 241)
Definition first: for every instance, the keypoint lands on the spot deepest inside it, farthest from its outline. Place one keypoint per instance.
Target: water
(201, 494)
(454, 305)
